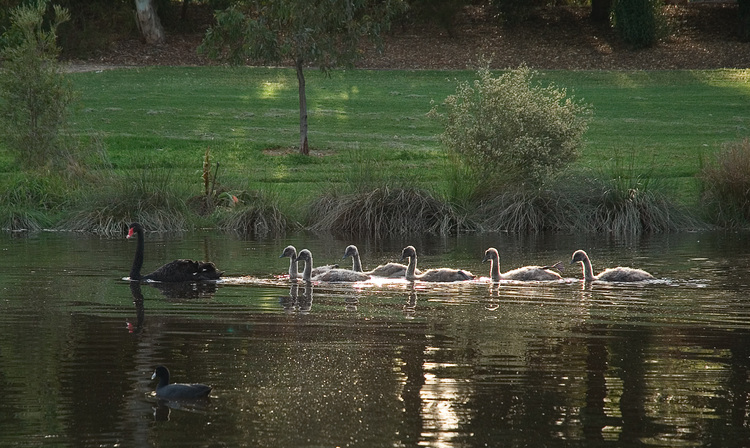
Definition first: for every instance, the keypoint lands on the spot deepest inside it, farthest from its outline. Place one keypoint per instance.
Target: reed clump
(148, 196)
(31, 201)
(255, 214)
(386, 211)
(726, 185)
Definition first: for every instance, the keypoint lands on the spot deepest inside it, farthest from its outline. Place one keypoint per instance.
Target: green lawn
(372, 124)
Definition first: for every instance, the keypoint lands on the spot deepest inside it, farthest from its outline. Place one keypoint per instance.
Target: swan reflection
(294, 303)
(140, 312)
(186, 290)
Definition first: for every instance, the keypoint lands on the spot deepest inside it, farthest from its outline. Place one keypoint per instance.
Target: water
(460, 365)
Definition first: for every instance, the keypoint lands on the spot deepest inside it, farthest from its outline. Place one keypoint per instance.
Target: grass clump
(726, 185)
(386, 211)
(30, 202)
(147, 196)
(255, 214)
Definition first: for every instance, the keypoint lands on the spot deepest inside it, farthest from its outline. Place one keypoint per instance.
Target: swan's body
(526, 273)
(432, 275)
(182, 270)
(618, 274)
(291, 252)
(389, 270)
(178, 390)
(331, 275)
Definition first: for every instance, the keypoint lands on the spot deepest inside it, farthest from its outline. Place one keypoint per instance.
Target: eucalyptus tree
(322, 33)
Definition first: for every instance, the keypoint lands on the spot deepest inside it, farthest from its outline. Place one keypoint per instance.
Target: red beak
(130, 233)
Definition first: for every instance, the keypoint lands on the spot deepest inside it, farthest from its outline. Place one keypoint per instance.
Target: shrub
(34, 94)
(640, 23)
(386, 211)
(510, 131)
(726, 185)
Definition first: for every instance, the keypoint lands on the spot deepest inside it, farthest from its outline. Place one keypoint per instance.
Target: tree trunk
(600, 10)
(303, 148)
(148, 22)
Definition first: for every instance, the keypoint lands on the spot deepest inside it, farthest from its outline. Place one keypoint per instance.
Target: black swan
(525, 273)
(388, 270)
(177, 390)
(432, 275)
(291, 252)
(331, 275)
(618, 274)
(176, 271)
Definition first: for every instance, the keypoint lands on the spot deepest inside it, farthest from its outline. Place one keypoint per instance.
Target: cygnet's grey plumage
(432, 275)
(388, 270)
(618, 274)
(525, 273)
(291, 252)
(331, 275)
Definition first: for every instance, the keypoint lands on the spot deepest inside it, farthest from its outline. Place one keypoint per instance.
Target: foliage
(386, 211)
(726, 184)
(640, 23)
(325, 34)
(511, 131)
(34, 93)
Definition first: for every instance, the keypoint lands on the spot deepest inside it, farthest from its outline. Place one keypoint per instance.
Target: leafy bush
(726, 185)
(640, 23)
(510, 131)
(34, 94)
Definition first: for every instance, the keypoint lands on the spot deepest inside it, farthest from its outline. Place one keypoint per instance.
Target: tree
(34, 94)
(148, 22)
(322, 33)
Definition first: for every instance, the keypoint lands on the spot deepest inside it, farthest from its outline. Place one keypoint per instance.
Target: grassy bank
(367, 127)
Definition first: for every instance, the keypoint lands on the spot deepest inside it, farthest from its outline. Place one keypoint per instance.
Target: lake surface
(385, 364)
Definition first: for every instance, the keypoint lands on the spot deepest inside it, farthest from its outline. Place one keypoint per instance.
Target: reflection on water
(564, 363)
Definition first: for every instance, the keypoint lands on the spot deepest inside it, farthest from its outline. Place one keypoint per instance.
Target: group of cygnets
(190, 270)
(332, 273)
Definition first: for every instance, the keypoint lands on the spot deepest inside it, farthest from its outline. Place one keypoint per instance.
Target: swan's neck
(307, 273)
(411, 268)
(135, 270)
(292, 267)
(356, 263)
(588, 270)
(495, 269)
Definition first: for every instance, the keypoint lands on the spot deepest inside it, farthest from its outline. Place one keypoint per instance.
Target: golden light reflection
(441, 400)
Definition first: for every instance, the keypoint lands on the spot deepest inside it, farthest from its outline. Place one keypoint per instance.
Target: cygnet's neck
(307, 273)
(588, 270)
(293, 267)
(495, 269)
(411, 268)
(356, 262)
